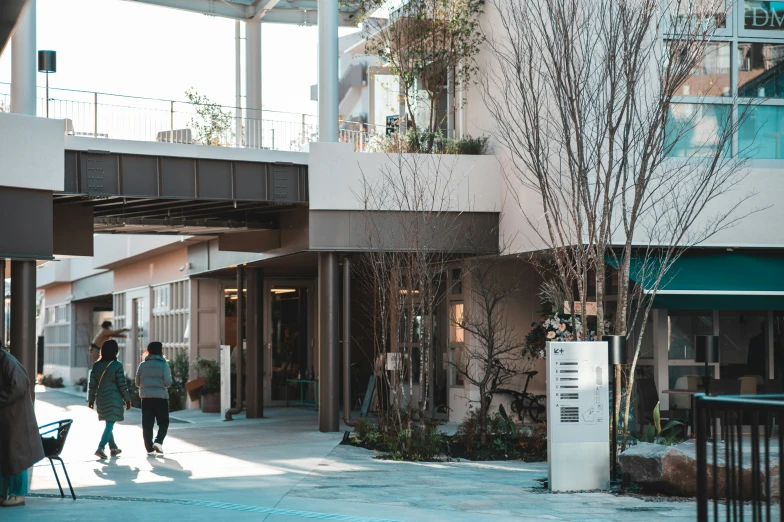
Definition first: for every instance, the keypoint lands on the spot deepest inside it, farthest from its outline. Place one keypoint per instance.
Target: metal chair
(53, 446)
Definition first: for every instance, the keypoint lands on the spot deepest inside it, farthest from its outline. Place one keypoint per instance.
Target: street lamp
(706, 348)
(47, 63)
(616, 345)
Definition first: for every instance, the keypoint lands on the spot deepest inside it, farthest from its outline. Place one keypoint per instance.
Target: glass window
(761, 132)
(683, 327)
(711, 76)
(457, 281)
(676, 372)
(742, 344)
(760, 70)
(696, 130)
(710, 13)
(457, 333)
(763, 15)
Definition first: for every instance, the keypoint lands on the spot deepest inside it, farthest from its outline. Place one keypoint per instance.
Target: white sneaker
(157, 447)
(13, 501)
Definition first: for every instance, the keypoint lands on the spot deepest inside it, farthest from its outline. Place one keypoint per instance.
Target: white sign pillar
(578, 416)
(225, 378)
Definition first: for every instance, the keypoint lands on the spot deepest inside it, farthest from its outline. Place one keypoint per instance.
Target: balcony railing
(103, 115)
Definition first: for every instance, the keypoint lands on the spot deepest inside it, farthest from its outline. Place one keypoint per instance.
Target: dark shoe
(115, 452)
(101, 454)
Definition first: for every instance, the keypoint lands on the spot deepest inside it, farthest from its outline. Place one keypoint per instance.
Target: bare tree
(411, 222)
(493, 357)
(584, 94)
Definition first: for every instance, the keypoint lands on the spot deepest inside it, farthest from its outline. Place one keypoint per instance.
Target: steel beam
(329, 367)
(23, 342)
(255, 362)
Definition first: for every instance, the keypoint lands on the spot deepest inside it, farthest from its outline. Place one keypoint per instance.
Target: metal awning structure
(295, 12)
(138, 194)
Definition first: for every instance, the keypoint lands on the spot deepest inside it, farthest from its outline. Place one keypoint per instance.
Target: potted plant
(81, 385)
(209, 369)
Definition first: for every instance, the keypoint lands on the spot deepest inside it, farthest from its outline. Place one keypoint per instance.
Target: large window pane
(742, 345)
(760, 70)
(696, 130)
(761, 132)
(683, 327)
(763, 15)
(711, 76)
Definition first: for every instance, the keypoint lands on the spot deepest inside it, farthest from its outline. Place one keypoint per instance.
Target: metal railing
(746, 486)
(104, 115)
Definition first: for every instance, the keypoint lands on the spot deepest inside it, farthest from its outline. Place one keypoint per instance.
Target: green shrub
(50, 381)
(180, 370)
(417, 444)
(210, 370)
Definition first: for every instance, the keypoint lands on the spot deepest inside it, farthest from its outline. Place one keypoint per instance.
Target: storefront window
(676, 372)
(760, 70)
(696, 130)
(761, 132)
(742, 344)
(683, 327)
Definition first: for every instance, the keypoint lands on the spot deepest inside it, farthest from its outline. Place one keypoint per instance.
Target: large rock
(673, 469)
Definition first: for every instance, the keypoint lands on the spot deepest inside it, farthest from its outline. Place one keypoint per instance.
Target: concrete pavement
(281, 469)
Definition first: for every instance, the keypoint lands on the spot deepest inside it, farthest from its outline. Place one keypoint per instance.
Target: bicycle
(524, 402)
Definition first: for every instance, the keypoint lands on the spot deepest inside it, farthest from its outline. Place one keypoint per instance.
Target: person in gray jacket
(153, 378)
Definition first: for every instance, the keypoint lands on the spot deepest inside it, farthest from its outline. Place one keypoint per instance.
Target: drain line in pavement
(230, 507)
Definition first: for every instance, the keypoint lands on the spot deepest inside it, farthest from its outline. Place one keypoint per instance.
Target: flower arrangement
(557, 327)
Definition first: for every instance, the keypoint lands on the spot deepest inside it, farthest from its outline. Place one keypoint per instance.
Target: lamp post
(706, 348)
(47, 63)
(616, 345)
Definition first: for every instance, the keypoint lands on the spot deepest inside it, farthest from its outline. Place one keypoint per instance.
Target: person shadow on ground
(111, 471)
(168, 467)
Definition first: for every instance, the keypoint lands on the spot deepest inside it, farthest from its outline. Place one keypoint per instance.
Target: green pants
(14, 484)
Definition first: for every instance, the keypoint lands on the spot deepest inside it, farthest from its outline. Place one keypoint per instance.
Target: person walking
(20, 441)
(108, 394)
(153, 378)
(104, 335)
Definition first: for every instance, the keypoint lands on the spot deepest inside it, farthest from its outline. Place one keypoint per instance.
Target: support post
(328, 70)
(253, 96)
(95, 114)
(237, 85)
(240, 388)
(329, 397)
(2, 302)
(24, 63)
(255, 366)
(347, 340)
(23, 341)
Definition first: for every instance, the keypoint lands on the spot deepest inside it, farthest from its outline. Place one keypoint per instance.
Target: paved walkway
(280, 469)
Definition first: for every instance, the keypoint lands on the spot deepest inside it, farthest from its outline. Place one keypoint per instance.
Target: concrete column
(329, 360)
(24, 64)
(237, 85)
(2, 302)
(346, 339)
(23, 341)
(328, 70)
(254, 331)
(253, 98)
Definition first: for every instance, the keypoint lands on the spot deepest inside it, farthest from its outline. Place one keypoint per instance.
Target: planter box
(210, 403)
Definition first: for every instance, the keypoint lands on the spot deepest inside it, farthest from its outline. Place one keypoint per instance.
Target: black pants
(154, 410)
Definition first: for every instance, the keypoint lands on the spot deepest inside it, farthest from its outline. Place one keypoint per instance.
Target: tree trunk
(483, 407)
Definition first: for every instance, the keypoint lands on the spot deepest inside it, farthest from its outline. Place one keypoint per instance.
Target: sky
(123, 47)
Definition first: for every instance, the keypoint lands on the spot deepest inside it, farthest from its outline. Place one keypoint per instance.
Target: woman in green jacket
(108, 394)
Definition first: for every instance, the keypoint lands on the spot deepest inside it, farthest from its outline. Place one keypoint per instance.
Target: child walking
(153, 378)
(108, 394)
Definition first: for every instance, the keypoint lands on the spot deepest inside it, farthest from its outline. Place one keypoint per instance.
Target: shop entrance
(288, 332)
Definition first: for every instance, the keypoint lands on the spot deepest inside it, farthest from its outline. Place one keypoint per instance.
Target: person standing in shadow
(108, 394)
(153, 379)
(20, 441)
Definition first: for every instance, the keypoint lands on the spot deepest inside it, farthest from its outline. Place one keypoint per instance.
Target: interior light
(283, 290)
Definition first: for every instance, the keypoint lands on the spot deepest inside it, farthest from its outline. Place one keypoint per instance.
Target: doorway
(288, 339)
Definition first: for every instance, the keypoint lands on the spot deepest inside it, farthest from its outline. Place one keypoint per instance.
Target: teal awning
(717, 280)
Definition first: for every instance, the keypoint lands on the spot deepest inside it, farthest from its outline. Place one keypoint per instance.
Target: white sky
(123, 47)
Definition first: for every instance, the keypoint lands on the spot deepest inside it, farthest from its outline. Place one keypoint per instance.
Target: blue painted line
(229, 507)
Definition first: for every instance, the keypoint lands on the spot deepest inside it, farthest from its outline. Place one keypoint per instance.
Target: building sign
(590, 307)
(764, 16)
(578, 419)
